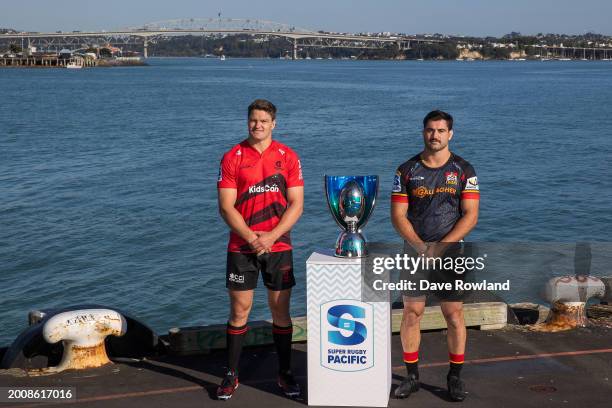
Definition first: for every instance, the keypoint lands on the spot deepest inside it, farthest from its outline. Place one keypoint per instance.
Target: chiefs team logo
(451, 177)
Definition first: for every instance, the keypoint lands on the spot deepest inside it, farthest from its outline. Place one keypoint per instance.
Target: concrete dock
(511, 367)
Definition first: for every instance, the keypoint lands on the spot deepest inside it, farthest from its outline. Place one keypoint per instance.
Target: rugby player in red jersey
(434, 205)
(261, 196)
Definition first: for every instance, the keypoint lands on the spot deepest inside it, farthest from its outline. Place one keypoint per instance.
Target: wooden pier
(203, 339)
(46, 62)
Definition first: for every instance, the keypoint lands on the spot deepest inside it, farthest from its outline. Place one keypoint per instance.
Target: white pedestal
(349, 341)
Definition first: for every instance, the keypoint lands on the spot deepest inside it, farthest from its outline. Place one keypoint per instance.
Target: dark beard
(437, 148)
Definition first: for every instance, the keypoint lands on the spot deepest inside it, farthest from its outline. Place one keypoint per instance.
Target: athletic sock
(412, 363)
(235, 337)
(456, 363)
(282, 341)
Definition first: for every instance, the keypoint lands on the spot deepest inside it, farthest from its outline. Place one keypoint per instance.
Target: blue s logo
(359, 331)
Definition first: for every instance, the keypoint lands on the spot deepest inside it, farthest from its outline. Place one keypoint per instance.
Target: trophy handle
(332, 196)
(370, 187)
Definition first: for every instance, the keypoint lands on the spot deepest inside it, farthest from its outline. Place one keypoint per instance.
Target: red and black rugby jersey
(261, 181)
(434, 194)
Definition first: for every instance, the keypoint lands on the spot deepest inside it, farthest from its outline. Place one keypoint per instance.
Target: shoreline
(60, 63)
(114, 64)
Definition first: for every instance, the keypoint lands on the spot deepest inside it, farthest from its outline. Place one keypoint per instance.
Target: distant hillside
(509, 46)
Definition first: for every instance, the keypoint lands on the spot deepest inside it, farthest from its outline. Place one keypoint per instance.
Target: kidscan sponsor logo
(347, 335)
(264, 189)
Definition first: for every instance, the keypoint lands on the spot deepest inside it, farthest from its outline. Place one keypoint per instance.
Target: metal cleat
(32, 352)
(568, 296)
(82, 333)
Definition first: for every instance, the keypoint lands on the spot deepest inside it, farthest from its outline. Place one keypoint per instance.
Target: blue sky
(467, 17)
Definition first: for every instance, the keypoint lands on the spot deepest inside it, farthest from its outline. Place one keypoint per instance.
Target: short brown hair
(439, 115)
(263, 105)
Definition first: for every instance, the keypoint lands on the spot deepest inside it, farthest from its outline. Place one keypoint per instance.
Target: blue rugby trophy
(349, 341)
(351, 200)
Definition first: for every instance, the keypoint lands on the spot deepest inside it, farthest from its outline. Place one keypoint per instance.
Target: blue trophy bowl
(351, 200)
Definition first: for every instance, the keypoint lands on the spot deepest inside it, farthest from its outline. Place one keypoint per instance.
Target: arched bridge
(300, 37)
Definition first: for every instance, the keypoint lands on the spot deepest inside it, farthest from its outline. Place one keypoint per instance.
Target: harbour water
(108, 176)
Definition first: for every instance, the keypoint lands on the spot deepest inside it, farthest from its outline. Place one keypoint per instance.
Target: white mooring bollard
(82, 333)
(568, 296)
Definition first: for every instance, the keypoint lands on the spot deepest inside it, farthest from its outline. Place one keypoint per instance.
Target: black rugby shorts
(276, 269)
(437, 276)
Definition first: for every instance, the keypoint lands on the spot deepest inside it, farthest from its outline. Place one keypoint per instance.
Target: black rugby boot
(228, 386)
(409, 385)
(288, 385)
(456, 391)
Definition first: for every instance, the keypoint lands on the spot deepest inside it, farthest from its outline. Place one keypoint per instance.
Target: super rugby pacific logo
(358, 331)
(397, 182)
(347, 335)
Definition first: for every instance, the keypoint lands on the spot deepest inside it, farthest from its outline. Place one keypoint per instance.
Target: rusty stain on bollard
(82, 333)
(89, 356)
(563, 316)
(568, 296)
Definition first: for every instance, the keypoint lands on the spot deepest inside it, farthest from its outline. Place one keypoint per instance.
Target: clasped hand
(263, 242)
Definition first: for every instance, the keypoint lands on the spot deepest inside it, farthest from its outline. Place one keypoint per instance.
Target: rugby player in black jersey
(434, 204)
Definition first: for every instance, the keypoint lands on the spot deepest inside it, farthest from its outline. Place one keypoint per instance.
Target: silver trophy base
(351, 245)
